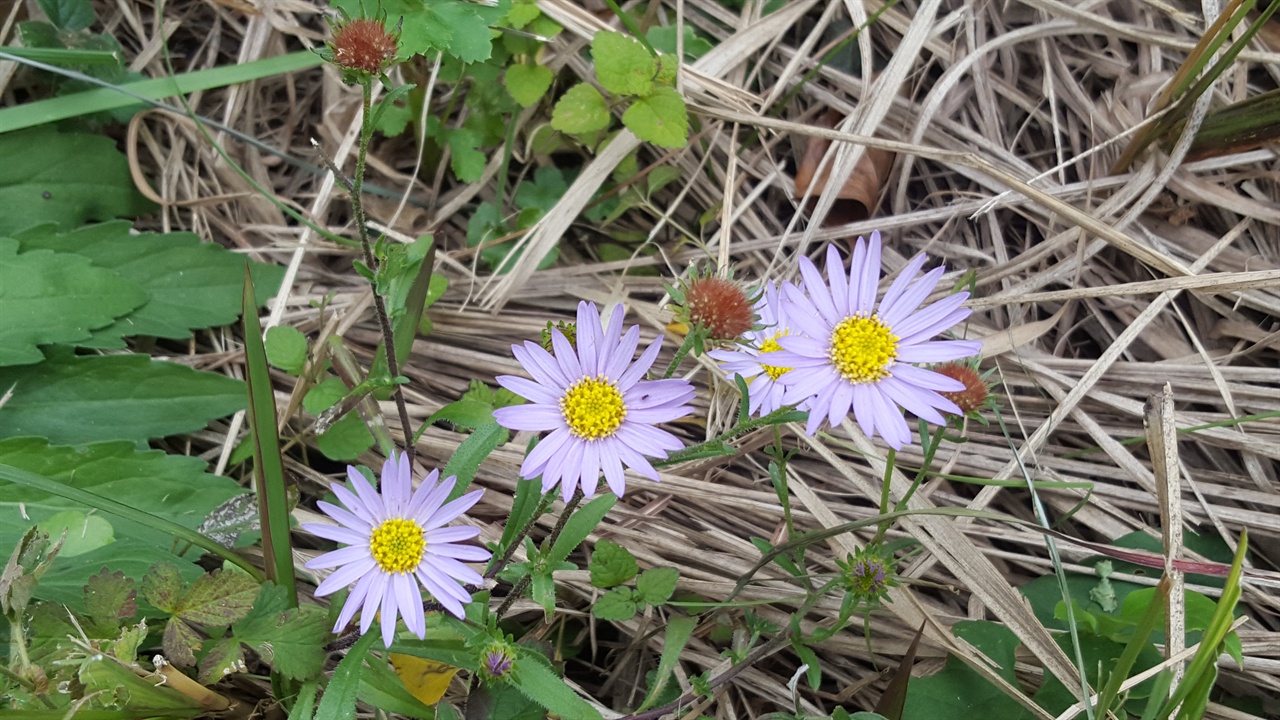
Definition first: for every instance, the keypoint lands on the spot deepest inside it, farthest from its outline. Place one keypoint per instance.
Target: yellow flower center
(862, 348)
(397, 545)
(593, 408)
(768, 346)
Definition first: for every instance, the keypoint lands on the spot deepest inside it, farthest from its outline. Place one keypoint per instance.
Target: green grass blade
(91, 101)
(107, 505)
(1198, 680)
(268, 468)
(1133, 648)
(65, 56)
(339, 699)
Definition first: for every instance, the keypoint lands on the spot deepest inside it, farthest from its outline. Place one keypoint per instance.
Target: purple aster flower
(601, 415)
(852, 353)
(395, 540)
(764, 391)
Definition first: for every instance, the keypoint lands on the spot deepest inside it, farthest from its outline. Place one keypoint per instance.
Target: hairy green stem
(549, 542)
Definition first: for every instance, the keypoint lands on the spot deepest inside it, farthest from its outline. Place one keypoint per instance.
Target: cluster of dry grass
(1092, 289)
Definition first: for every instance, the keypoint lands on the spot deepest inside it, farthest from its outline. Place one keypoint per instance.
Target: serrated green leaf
(180, 642)
(580, 110)
(660, 118)
(522, 13)
(393, 119)
(346, 439)
(656, 585)
(64, 583)
(535, 678)
(110, 597)
(339, 700)
(189, 284)
(611, 564)
(55, 298)
(548, 187)
(291, 639)
(224, 658)
(578, 527)
(623, 66)
(162, 587)
(70, 399)
(286, 348)
(617, 605)
(471, 40)
(64, 178)
(473, 451)
(528, 83)
(381, 687)
(219, 598)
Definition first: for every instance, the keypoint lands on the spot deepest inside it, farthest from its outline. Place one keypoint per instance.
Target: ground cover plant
(701, 359)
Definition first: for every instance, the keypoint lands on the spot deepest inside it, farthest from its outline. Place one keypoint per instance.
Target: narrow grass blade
(1131, 650)
(107, 505)
(268, 468)
(91, 101)
(66, 56)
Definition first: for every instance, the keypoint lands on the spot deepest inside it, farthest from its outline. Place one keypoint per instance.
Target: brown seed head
(975, 391)
(363, 45)
(720, 306)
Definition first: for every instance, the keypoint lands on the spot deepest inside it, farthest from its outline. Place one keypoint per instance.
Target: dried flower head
(974, 395)
(715, 306)
(363, 45)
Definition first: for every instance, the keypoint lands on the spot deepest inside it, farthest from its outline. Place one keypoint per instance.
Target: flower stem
(547, 543)
(379, 306)
(681, 352)
(497, 567)
(777, 417)
(885, 485)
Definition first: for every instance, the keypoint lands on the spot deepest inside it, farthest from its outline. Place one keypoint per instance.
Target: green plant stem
(547, 543)
(380, 307)
(781, 416)
(885, 486)
(520, 536)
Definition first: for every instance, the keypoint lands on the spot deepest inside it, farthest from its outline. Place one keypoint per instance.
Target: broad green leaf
(467, 160)
(522, 13)
(528, 83)
(69, 15)
(619, 604)
(291, 639)
(548, 186)
(55, 298)
(660, 118)
(219, 598)
(611, 564)
(346, 439)
(84, 533)
(180, 642)
(958, 690)
(172, 486)
(663, 39)
(382, 688)
(190, 284)
(64, 178)
(623, 66)
(70, 399)
(580, 110)
(656, 585)
(473, 451)
(471, 41)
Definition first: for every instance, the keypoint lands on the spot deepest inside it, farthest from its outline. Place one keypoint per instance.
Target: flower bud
(719, 306)
(974, 395)
(363, 45)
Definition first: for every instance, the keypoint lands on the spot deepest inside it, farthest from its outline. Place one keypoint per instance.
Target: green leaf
(392, 118)
(528, 83)
(660, 118)
(83, 532)
(286, 348)
(471, 41)
(473, 451)
(580, 110)
(110, 597)
(522, 13)
(346, 439)
(55, 298)
(467, 160)
(656, 585)
(30, 559)
(70, 399)
(294, 643)
(305, 706)
(339, 701)
(548, 186)
(534, 677)
(618, 604)
(70, 15)
(623, 66)
(679, 630)
(611, 564)
(224, 658)
(958, 690)
(219, 598)
(162, 587)
(380, 687)
(663, 39)
(189, 284)
(63, 178)
(578, 527)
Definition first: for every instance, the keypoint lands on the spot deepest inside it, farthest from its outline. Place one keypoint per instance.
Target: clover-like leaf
(656, 585)
(623, 66)
(612, 564)
(618, 604)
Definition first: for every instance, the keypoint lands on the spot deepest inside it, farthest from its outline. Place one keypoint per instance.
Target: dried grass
(1093, 291)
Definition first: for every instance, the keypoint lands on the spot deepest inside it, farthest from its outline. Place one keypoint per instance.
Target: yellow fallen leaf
(426, 679)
